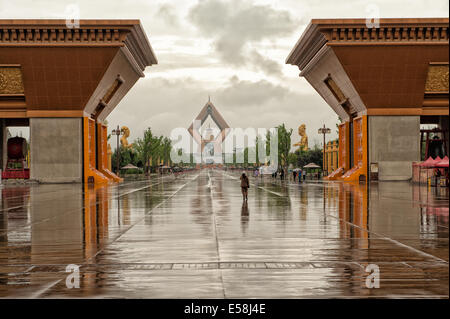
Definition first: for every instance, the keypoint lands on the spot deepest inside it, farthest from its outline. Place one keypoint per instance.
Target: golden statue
(123, 139)
(303, 144)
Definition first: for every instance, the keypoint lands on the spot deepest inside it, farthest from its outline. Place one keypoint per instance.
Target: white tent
(311, 165)
(130, 166)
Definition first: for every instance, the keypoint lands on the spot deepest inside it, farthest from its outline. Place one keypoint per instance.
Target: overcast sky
(232, 50)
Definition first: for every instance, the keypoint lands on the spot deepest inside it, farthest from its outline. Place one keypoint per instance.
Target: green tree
(156, 150)
(257, 150)
(293, 158)
(127, 156)
(143, 148)
(284, 146)
(180, 154)
(247, 154)
(191, 159)
(166, 147)
(313, 155)
(268, 138)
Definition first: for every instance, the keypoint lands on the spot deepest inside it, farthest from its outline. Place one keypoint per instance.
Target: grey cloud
(237, 93)
(164, 104)
(233, 25)
(167, 13)
(264, 104)
(210, 16)
(241, 19)
(267, 65)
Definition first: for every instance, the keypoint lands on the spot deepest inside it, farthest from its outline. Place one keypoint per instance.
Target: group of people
(297, 175)
(300, 175)
(280, 172)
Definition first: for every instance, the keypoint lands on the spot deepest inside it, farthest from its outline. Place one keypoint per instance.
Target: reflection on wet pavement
(192, 237)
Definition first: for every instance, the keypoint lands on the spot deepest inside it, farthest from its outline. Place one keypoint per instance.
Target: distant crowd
(298, 175)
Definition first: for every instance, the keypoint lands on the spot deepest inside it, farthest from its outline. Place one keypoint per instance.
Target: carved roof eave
(55, 33)
(331, 32)
(138, 44)
(310, 42)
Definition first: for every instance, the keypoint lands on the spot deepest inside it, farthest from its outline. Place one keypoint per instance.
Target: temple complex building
(383, 83)
(63, 81)
(209, 142)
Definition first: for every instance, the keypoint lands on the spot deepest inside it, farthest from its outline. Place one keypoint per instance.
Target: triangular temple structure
(194, 129)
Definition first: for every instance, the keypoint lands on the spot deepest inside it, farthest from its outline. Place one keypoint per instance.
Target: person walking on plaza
(245, 185)
(282, 174)
(300, 176)
(294, 174)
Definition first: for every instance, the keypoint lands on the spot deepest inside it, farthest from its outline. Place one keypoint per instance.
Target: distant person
(300, 176)
(304, 175)
(294, 174)
(245, 185)
(282, 174)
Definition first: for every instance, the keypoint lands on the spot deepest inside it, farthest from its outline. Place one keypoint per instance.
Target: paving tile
(181, 238)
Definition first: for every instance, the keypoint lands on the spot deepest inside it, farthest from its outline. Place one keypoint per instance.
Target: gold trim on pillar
(91, 174)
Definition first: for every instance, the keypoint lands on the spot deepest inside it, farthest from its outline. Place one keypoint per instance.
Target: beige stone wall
(394, 143)
(56, 153)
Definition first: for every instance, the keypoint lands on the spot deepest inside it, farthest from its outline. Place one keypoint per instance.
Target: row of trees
(147, 152)
(153, 150)
(150, 151)
(298, 158)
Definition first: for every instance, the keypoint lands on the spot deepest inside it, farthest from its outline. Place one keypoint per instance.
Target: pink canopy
(430, 162)
(442, 163)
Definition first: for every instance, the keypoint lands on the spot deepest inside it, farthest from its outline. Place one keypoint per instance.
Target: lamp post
(324, 130)
(117, 132)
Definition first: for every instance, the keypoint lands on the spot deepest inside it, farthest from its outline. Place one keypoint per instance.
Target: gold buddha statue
(123, 139)
(303, 143)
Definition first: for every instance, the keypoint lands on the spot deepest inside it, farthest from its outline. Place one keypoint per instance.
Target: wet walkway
(191, 237)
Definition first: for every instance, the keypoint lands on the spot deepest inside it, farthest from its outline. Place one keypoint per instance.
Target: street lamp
(324, 130)
(117, 132)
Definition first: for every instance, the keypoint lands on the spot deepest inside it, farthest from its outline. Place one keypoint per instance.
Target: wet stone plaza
(191, 236)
